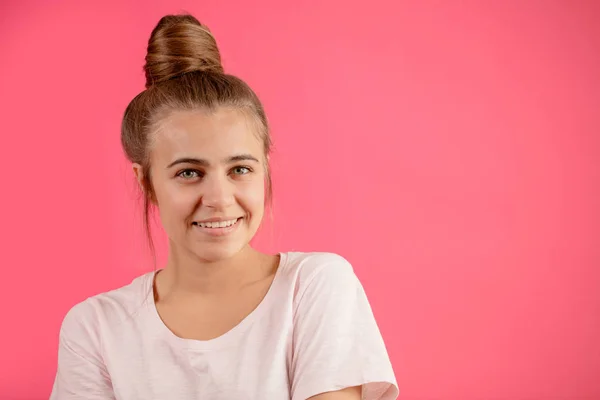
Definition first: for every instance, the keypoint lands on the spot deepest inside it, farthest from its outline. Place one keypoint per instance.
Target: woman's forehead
(216, 134)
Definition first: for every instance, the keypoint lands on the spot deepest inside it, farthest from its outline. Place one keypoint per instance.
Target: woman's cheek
(254, 194)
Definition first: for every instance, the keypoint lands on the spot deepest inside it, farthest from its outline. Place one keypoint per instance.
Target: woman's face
(208, 174)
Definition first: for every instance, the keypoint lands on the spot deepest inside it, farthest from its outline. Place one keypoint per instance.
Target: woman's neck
(185, 275)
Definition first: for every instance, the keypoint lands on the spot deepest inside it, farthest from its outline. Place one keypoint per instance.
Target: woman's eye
(188, 174)
(241, 170)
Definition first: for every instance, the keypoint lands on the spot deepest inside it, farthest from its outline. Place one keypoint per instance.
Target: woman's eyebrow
(203, 162)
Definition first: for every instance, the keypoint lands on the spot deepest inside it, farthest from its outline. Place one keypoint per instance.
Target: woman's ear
(138, 171)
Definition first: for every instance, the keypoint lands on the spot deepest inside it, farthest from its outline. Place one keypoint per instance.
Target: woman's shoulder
(310, 263)
(108, 307)
(337, 342)
(318, 269)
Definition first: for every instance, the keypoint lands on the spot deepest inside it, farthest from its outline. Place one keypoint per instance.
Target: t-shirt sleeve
(336, 340)
(81, 373)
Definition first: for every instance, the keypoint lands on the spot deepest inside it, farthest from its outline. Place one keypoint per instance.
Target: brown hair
(183, 72)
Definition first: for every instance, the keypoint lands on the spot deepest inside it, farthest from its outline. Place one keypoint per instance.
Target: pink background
(448, 149)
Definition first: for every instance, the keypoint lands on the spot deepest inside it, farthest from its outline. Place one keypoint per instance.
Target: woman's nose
(217, 192)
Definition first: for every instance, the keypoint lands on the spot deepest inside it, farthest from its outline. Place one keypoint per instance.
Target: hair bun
(180, 44)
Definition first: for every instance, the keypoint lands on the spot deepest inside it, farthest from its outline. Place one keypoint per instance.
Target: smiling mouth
(216, 224)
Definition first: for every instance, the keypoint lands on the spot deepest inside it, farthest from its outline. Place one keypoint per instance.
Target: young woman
(221, 320)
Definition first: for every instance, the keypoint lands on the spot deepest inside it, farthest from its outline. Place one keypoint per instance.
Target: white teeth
(217, 224)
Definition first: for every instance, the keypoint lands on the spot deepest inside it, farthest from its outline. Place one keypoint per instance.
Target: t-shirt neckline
(227, 339)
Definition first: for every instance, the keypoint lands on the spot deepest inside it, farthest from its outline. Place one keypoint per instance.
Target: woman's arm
(336, 342)
(81, 372)
(79, 376)
(351, 393)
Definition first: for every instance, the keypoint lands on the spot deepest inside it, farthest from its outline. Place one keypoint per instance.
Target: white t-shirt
(313, 332)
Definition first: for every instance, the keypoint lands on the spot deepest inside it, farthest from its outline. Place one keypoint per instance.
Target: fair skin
(208, 174)
(351, 393)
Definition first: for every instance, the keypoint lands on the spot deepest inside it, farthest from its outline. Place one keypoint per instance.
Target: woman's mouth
(217, 228)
